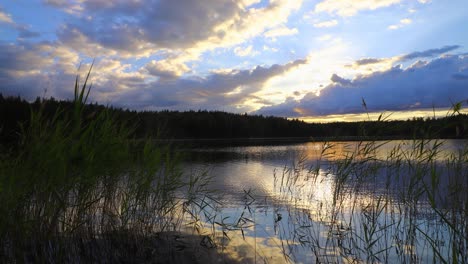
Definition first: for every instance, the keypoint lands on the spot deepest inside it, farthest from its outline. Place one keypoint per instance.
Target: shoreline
(223, 142)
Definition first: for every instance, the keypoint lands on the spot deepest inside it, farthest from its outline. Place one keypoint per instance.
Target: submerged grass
(76, 190)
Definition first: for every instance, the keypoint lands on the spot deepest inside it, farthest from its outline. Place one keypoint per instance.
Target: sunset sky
(315, 60)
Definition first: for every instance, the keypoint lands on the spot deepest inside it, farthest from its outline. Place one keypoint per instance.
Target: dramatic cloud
(28, 70)
(178, 32)
(157, 54)
(173, 32)
(142, 26)
(221, 91)
(436, 83)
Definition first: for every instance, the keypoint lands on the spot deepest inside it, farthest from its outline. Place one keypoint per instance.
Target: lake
(335, 202)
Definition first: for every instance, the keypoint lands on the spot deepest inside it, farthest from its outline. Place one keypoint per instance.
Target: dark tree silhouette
(15, 111)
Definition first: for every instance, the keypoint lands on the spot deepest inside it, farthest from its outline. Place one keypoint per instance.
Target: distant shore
(274, 140)
(222, 128)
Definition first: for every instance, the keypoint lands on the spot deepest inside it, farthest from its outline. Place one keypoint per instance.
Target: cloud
(280, 31)
(141, 26)
(23, 30)
(406, 21)
(73, 7)
(168, 34)
(367, 61)
(402, 23)
(326, 24)
(25, 33)
(179, 32)
(428, 53)
(434, 83)
(220, 90)
(326, 37)
(5, 17)
(406, 57)
(351, 8)
(30, 69)
(267, 48)
(337, 79)
(172, 47)
(165, 69)
(24, 58)
(57, 3)
(242, 52)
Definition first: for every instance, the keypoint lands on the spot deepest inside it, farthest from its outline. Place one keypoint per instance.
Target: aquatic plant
(79, 189)
(407, 205)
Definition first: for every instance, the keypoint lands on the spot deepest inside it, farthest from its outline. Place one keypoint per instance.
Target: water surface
(335, 202)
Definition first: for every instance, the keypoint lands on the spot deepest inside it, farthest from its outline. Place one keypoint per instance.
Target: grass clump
(77, 190)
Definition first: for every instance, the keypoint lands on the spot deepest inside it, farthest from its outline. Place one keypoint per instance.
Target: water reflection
(339, 202)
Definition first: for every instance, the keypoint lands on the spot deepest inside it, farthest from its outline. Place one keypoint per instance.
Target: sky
(315, 60)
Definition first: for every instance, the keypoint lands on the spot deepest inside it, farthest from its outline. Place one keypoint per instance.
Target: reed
(407, 206)
(78, 190)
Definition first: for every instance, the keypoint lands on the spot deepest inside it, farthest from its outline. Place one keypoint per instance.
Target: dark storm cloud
(437, 83)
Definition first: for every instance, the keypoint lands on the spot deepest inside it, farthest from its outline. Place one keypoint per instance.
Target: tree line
(202, 124)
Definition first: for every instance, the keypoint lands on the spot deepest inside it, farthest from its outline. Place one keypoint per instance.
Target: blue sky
(313, 60)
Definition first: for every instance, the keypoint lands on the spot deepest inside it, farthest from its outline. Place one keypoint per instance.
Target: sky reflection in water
(277, 208)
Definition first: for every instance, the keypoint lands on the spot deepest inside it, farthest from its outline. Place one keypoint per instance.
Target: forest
(15, 112)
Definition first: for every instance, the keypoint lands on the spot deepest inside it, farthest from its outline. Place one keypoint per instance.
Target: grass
(409, 206)
(76, 190)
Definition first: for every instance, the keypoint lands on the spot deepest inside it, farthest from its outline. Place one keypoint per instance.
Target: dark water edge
(274, 141)
(120, 247)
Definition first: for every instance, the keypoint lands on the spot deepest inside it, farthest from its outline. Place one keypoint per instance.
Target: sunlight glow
(396, 115)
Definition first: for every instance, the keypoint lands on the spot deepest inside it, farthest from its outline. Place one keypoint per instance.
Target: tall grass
(407, 206)
(77, 190)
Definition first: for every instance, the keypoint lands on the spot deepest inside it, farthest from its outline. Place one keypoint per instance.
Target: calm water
(312, 203)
